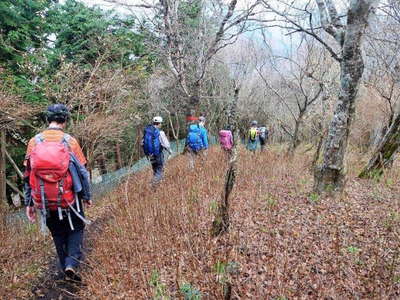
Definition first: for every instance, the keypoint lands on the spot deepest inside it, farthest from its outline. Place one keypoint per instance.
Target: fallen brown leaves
(284, 242)
(24, 255)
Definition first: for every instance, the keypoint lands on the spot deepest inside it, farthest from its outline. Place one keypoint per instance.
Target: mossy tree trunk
(295, 137)
(221, 221)
(330, 176)
(385, 152)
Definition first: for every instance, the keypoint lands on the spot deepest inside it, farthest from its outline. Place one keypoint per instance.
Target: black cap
(57, 112)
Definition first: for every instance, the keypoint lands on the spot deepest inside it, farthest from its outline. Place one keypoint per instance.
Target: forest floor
(284, 241)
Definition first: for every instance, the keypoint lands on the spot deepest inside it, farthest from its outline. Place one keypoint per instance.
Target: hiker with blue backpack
(154, 142)
(194, 142)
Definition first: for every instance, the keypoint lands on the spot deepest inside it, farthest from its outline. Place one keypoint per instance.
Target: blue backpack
(194, 138)
(151, 141)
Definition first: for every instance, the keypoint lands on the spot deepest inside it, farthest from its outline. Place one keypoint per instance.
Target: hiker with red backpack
(154, 142)
(56, 184)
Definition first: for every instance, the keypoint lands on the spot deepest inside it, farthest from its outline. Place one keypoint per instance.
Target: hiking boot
(70, 273)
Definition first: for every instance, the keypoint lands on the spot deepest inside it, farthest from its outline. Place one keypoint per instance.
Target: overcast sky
(277, 39)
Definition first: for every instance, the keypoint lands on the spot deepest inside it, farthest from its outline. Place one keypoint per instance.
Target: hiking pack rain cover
(194, 138)
(151, 141)
(226, 139)
(49, 163)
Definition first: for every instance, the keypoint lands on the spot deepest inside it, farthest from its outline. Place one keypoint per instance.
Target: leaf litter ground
(284, 242)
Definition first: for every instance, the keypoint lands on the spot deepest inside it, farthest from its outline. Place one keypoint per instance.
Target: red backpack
(50, 179)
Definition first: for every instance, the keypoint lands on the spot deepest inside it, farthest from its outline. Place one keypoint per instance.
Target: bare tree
(103, 101)
(190, 34)
(383, 49)
(14, 114)
(330, 175)
(298, 84)
(240, 68)
(347, 31)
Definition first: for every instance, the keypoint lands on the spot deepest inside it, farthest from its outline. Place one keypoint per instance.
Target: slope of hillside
(284, 242)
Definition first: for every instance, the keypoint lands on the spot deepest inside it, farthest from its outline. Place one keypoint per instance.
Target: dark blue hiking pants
(157, 163)
(68, 242)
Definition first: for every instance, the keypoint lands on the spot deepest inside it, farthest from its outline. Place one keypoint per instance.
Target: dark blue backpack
(151, 141)
(194, 138)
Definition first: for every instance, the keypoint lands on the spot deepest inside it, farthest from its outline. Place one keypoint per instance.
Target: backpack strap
(59, 197)
(153, 137)
(65, 140)
(39, 138)
(84, 220)
(43, 211)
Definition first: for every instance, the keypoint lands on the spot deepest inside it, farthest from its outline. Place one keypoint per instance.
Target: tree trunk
(319, 146)
(175, 132)
(118, 158)
(295, 136)
(12, 162)
(384, 154)
(330, 176)
(221, 221)
(102, 164)
(3, 196)
(138, 141)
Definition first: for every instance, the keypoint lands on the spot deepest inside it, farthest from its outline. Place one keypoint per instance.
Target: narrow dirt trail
(52, 285)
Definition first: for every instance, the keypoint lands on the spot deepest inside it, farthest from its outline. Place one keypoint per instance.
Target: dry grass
(24, 255)
(284, 242)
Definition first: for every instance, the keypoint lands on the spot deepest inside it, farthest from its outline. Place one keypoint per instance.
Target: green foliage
(22, 29)
(389, 182)
(193, 195)
(314, 198)
(36, 37)
(392, 220)
(83, 34)
(353, 250)
(396, 279)
(22, 36)
(213, 206)
(189, 292)
(220, 268)
(189, 14)
(160, 290)
(271, 201)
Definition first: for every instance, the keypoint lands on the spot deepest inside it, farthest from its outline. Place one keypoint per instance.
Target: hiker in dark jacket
(154, 142)
(263, 136)
(66, 224)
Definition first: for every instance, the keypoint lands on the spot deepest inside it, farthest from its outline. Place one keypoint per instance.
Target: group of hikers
(155, 141)
(57, 183)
